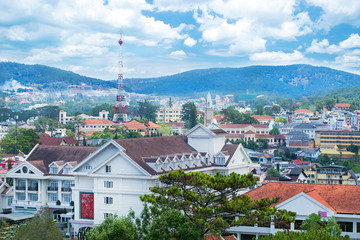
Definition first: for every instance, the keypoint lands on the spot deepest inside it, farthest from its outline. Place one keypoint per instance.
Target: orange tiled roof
(303, 111)
(242, 125)
(262, 117)
(135, 125)
(98, 121)
(342, 105)
(152, 125)
(339, 198)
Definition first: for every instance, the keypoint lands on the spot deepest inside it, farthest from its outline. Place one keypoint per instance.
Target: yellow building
(168, 114)
(332, 174)
(337, 138)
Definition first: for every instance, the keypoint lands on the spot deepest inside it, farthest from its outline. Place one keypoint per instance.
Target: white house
(111, 179)
(6, 197)
(340, 201)
(44, 180)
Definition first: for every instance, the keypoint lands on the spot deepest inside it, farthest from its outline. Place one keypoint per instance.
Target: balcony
(53, 189)
(66, 189)
(20, 187)
(34, 188)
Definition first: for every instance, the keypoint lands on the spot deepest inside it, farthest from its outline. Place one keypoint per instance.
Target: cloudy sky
(163, 37)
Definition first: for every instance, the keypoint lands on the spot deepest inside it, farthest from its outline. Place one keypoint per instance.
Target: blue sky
(163, 37)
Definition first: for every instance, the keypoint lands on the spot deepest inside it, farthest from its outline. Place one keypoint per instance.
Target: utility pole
(16, 119)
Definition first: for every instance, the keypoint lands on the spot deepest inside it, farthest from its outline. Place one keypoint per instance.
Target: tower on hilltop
(120, 95)
(209, 111)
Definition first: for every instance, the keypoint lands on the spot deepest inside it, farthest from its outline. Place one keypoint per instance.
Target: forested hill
(44, 77)
(291, 80)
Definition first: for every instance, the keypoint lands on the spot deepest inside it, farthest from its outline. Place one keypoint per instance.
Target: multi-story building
(168, 114)
(177, 127)
(96, 125)
(111, 179)
(344, 138)
(65, 119)
(142, 128)
(247, 132)
(352, 121)
(264, 119)
(297, 139)
(331, 174)
(44, 179)
(308, 128)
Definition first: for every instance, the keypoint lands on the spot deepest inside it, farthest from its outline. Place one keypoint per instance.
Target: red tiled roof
(341, 198)
(342, 105)
(299, 162)
(135, 125)
(303, 111)
(262, 117)
(250, 132)
(152, 125)
(242, 125)
(280, 136)
(98, 121)
(219, 117)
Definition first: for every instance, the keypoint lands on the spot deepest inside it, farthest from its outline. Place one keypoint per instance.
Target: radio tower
(120, 96)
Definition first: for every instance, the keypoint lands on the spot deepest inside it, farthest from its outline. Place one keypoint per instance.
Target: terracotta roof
(303, 111)
(250, 132)
(139, 148)
(219, 117)
(135, 125)
(342, 105)
(262, 117)
(152, 125)
(280, 136)
(98, 121)
(240, 135)
(176, 124)
(42, 156)
(299, 162)
(45, 139)
(341, 198)
(218, 131)
(242, 125)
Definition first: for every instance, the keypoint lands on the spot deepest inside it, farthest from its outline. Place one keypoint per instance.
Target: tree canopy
(189, 114)
(148, 110)
(235, 117)
(213, 202)
(26, 140)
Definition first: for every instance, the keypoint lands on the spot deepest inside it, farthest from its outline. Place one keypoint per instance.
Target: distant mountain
(45, 78)
(291, 80)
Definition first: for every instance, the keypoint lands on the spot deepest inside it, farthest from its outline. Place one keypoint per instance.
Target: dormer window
(53, 169)
(67, 169)
(220, 160)
(87, 167)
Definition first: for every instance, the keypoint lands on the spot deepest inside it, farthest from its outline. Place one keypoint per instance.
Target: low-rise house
(247, 132)
(6, 197)
(264, 119)
(289, 175)
(65, 119)
(177, 127)
(142, 128)
(341, 106)
(299, 163)
(297, 139)
(340, 201)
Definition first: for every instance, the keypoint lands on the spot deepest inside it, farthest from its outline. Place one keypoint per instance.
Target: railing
(66, 189)
(50, 188)
(20, 187)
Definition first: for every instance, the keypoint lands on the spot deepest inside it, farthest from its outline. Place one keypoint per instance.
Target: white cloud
(278, 57)
(352, 42)
(323, 47)
(348, 60)
(190, 42)
(178, 53)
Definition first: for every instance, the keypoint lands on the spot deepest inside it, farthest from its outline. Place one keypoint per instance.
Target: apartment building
(332, 174)
(247, 132)
(168, 114)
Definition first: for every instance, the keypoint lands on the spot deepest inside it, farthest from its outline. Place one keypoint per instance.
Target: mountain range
(290, 80)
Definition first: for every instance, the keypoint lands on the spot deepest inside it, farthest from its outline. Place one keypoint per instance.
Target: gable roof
(303, 111)
(45, 139)
(134, 125)
(342, 198)
(139, 148)
(42, 156)
(262, 117)
(98, 121)
(342, 105)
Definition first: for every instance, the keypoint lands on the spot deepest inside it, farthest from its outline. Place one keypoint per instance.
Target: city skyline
(167, 37)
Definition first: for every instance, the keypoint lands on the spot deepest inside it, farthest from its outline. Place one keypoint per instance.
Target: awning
(17, 216)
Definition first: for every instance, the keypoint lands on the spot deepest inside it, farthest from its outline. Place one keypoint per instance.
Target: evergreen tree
(189, 114)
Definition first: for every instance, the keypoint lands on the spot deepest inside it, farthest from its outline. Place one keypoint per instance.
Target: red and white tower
(120, 96)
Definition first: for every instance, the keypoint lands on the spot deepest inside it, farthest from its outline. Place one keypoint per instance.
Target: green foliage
(235, 117)
(212, 202)
(105, 106)
(114, 228)
(274, 131)
(148, 110)
(263, 143)
(316, 223)
(249, 144)
(259, 110)
(272, 172)
(281, 120)
(324, 160)
(26, 140)
(354, 149)
(133, 134)
(312, 235)
(40, 124)
(41, 227)
(189, 114)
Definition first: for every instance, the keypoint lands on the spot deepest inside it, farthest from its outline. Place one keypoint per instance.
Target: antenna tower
(120, 96)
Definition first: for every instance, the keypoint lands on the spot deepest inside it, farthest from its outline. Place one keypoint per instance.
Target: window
(10, 199)
(157, 183)
(67, 169)
(108, 200)
(87, 167)
(66, 198)
(107, 168)
(21, 196)
(25, 169)
(220, 160)
(54, 169)
(106, 215)
(346, 226)
(54, 184)
(108, 184)
(33, 197)
(53, 197)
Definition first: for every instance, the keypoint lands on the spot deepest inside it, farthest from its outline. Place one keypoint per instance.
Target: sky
(164, 37)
